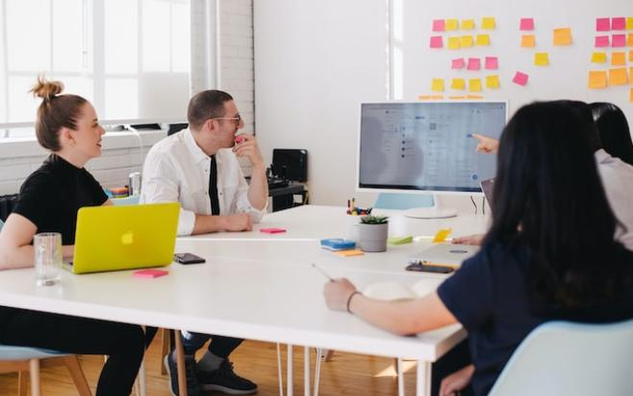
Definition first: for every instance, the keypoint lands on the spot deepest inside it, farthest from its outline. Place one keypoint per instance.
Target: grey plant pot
(373, 237)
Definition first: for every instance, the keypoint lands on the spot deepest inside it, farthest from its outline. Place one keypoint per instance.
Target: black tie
(213, 187)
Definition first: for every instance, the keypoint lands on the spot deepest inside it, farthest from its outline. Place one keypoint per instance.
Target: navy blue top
(489, 297)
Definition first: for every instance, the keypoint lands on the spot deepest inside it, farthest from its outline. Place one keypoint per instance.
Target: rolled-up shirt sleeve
(244, 205)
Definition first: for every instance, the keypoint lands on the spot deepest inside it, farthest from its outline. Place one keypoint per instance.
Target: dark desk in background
(284, 197)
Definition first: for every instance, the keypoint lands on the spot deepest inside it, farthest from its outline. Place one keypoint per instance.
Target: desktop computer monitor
(427, 147)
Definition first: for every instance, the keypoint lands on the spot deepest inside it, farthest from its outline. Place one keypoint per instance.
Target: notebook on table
(445, 254)
(111, 238)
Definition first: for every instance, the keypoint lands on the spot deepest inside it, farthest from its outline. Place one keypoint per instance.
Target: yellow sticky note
(528, 41)
(562, 36)
(349, 253)
(437, 85)
(466, 41)
(482, 39)
(541, 59)
(492, 82)
(458, 83)
(488, 23)
(452, 24)
(597, 79)
(618, 76)
(468, 24)
(441, 235)
(599, 57)
(618, 59)
(454, 43)
(474, 85)
(629, 23)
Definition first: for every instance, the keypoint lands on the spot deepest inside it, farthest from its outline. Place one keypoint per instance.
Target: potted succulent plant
(372, 233)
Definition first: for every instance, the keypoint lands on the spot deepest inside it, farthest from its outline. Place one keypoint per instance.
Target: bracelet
(349, 299)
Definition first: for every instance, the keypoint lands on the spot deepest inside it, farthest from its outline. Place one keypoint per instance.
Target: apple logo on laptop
(127, 238)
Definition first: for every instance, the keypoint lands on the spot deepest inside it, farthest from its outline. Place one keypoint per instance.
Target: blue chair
(403, 201)
(23, 359)
(565, 359)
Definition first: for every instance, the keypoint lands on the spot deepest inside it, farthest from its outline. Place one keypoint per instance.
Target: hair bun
(47, 89)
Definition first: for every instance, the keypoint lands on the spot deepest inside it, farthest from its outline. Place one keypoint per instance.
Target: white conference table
(259, 287)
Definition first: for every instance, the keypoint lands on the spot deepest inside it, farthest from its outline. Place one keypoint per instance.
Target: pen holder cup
(352, 230)
(372, 237)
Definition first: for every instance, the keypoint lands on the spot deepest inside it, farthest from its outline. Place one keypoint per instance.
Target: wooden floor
(345, 374)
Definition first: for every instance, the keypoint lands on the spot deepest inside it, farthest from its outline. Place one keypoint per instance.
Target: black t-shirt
(489, 297)
(51, 196)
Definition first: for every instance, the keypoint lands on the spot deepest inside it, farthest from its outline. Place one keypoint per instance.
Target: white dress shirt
(617, 178)
(177, 170)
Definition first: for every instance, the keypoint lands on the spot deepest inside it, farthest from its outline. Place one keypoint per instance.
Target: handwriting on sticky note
(436, 42)
(350, 253)
(488, 23)
(492, 82)
(618, 23)
(474, 64)
(597, 79)
(458, 84)
(438, 25)
(452, 24)
(466, 41)
(603, 24)
(149, 273)
(492, 63)
(601, 41)
(528, 41)
(618, 76)
(272, 230)
(454, 43)
(526, 24)
(520, 78)
(562, 36)
(482, 40)
(618, 40)
(599, 57)
(458, 63)
(474, 85)
(618, 59)
(437, 85)
(441, 235)
(468, 24)
(541, 59)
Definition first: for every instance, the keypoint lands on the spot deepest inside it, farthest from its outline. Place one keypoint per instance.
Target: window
(130, 58)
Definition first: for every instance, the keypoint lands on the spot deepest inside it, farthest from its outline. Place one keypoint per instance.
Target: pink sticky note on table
(150, 273)
(492, 63)
(618, 23)
(602, 41)
(526, 24)
(439, 25)
(618, 40)
(603, 24)
(272, 230)
(437, 42)
(520, 78)
(458, 63)
(474, 64)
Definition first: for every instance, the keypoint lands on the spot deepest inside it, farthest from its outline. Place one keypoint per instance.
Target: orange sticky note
(630, 56)
(452, 24)
(562, 36)
(437, 85)
(597, 79)
(488, 23)
(629, 40)
(618, 76)
(492, 82)
(471, 97)
(441, 235)
(454, 43)
(350, 253)
(631, 98)
(541, 59)
(618, 59)
(466, 41)
(457, 97)
(468, 24)
(528, 41)
(599, 57)
(458, 83)
(474, 85)
(482, 39)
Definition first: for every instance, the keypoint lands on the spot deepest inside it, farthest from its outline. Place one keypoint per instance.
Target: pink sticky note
(437, 42)
(603, 24)
(439, 25)
(618, 40)
(474, 64)
(520, 78)
(492, 63)
(602, 41)
(457, 63)
(526, 24)
(272, 230)
(150, 273)
(618, 23)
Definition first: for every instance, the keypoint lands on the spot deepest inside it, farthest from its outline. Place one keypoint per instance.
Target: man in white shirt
(198, 167)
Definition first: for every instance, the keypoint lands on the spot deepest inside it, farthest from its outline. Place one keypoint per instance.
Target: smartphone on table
(188, 258)
(437, 269)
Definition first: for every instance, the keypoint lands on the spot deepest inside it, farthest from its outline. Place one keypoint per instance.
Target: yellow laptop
(111, 238)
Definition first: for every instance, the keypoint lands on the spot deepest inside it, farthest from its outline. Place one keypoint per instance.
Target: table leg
(317, 370)
(279, 371)
(423, 380)
(400, 371)
(180, 364)
(289, 381)
(306, 371)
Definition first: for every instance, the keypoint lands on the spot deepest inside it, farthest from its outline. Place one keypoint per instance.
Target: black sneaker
(225, 380)
(193, 387)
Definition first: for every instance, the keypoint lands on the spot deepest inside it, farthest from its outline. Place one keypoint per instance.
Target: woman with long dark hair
(550, 252)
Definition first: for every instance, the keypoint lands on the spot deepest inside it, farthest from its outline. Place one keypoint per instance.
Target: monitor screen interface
(427, 146)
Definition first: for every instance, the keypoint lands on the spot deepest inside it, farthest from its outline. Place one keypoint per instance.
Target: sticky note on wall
(618, 23)
(618, 76)
(629, 40)
(474, 64)
(458, 84)
(631, 56)
(466, 41)
(618, 40)
(528, 41)
(601, 41)
(438, 25)
(482, 40)
(526, 24)
(436, 42)
(562, 36)
(492, 63)
(474, 85)
(618, 59)
(520, 78)
(488, 23)
(468, 24)
(437, 85)
(492, 82)
(631, 96)
(597, 79)
(541, 59)
(599, 57)
(458, 63)
(603, 24)
(629, 23)
(454, 43)
(452, 24)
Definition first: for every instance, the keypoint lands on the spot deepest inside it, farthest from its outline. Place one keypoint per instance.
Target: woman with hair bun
(49, 199)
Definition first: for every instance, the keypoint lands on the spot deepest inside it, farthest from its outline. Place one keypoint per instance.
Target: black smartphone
(438, 269)
(188, 258)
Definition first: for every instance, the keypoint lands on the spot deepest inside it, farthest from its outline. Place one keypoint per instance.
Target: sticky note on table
(149, 273)
(528, 41)
(492, 63)
(541, 58)
(474, 85)
(438, 25)
(482, 40)
(474, 64)
(597, 79)
(468, 24)
(400, 240)
(526, 24)
(437, 85)
(466, 41)
(454, 43)
(601, 41)
(488, 23)
(436, 42)
(441, 235)
(458, 63)
(562, 36)
(618, 40)
(603, 24)
(599, 57)
(272, 230)
(452, 24)
(618, 23)
(458, 84)
(492, 82)
(350, 253)
(618, 76)
(629, 23)
(618, 59)
(520, 78)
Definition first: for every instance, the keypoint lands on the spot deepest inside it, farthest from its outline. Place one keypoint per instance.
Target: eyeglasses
(236, 120)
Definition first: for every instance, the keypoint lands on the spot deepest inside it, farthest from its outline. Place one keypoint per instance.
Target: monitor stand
(437, 211)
